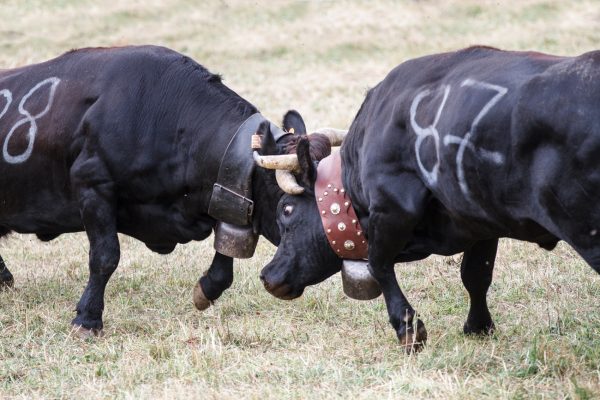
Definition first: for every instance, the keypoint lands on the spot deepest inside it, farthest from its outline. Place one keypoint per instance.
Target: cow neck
(231, 199)
(341, 225)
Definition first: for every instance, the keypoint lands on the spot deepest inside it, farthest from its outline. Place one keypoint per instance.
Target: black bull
(449, 153)
(121, 140)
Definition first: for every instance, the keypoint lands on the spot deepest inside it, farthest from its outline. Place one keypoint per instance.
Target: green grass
(318, 57)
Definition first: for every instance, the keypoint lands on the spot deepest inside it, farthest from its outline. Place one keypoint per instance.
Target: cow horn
(288, 162)
(287, 182)
(335, 136)
(283, 165)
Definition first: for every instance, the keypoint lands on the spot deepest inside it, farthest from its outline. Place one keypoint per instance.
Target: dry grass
(319, 57)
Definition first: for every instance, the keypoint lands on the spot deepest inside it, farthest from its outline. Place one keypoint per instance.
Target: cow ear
(308, 174)
(293, 122)
(268, 144)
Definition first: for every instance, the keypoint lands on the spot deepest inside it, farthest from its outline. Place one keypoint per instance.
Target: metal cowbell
(357, 281)
(234, 240)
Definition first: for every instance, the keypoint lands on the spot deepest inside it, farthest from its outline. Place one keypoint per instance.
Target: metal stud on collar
(335, 208)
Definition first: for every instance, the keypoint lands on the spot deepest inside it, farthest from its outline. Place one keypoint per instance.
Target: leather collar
(338, 217)
(231, 199)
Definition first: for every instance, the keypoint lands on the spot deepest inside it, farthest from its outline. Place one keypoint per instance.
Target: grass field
(318, 57)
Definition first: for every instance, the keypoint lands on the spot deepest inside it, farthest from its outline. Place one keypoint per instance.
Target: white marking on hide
(28, 118)
(501, 91)
(491, 156)
(8, 97)
(429, 131)
(463, 143)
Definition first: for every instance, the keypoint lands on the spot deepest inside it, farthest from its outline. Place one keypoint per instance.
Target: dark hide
(6, 278)
(451, 152)
(119, 140)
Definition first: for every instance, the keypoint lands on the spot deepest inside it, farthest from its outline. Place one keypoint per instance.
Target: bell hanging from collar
(357, 281)
(234, 240)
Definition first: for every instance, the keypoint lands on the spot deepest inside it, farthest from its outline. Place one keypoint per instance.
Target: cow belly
(445, 244)
(439, 233)
(48, 220)
(422, 246)
(161, 226)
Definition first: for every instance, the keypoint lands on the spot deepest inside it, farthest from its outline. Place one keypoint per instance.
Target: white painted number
(464, 142)
(429, 131)
(8, 99)
(27, 118)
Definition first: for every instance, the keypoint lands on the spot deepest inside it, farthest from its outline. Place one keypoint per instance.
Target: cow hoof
(484, 329)
(413, 342)
(200, 300)
(85, 333)
(6, 278)
(7, 284)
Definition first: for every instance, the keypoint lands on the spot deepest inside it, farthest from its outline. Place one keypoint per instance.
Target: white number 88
(28, 118)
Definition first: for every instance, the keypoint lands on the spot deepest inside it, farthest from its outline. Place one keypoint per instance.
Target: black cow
(447, 154)
(127, 140)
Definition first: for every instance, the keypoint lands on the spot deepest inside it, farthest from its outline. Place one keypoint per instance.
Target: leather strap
(338, 217)
(231, 199)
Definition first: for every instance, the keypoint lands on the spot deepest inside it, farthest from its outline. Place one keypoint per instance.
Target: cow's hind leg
(99, 218)
(476, 272)
(590, 252)
(6, 278)
(214, 282)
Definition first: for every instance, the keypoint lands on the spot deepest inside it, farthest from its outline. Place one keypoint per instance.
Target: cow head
(304, 256)
(270, 183)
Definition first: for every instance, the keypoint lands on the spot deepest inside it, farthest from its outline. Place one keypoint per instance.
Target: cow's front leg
(214, 282)
(99, 218)
(6, 278)
(397, 205)
(412, 335)
(383, 247)
(476, 272)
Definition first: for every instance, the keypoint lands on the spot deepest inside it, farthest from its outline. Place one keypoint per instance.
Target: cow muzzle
(234, 240)
(280, 290)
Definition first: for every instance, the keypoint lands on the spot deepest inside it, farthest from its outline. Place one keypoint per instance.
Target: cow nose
(266, 284)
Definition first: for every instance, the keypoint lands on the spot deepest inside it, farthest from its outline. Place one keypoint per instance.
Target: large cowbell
(234, 240)
(231, 200)
(357, 281)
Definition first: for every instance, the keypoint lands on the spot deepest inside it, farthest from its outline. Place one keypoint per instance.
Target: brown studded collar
(339, 219)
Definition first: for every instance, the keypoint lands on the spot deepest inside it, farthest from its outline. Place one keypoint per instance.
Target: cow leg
(6, 278)
(389, 231)
(399, 309)
(99, 218)
(588, 250)
(476, 273)
(214, 282)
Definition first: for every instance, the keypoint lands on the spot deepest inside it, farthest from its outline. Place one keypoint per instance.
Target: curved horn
(283, 165)
(336, 136)
(288, 162)
(287, 182)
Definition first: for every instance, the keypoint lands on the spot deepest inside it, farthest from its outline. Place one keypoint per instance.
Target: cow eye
(287, 209)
